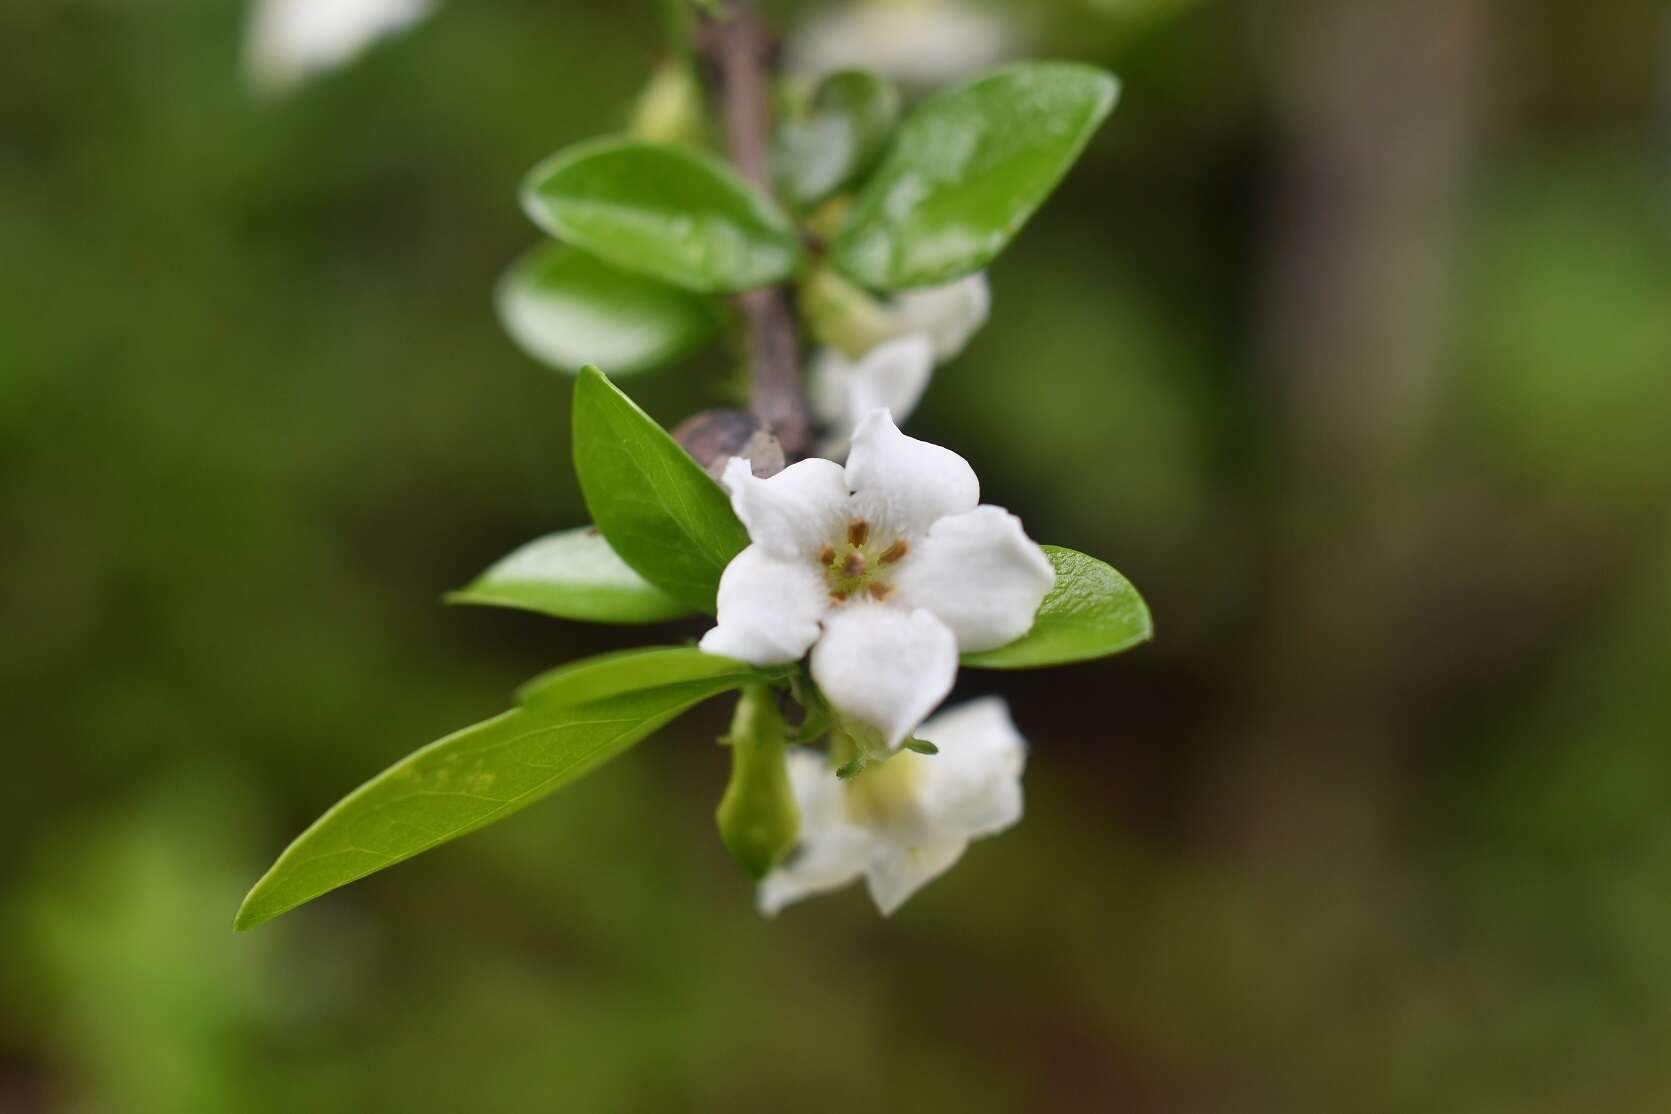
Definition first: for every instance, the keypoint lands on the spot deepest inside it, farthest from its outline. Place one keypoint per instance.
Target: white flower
(901, 342)
(289, 40)
(948, 315)
(918, 42)
(849, 318)
(902, 824)
(892, 377)
(885, 570)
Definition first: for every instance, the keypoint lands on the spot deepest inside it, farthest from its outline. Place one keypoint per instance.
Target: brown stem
(738, 53)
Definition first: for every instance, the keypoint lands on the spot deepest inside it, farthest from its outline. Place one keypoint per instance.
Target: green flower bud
(841, 315)
(669, 110)
(758, 818)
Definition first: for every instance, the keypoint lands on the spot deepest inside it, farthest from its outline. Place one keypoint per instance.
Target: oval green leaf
(966, 170)
(676, 213)
(1091, 612)
(572, 574)
(568, 309)
(470, 779)
(849, 119)
(662, 513)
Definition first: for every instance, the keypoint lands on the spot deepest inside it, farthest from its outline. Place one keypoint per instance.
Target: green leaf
(607, 675)
(1091, 612)
(568, 309)
(847, 124)
(676, 213)
(572, 574)
(965, 171)
(661, 512)
(467, 781)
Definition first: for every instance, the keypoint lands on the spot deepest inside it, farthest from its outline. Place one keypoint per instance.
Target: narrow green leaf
(661, 512)
(568, 309)
(572, 574)
(673, 212)
(1091, 612)
(463, 783)
(847, 124)
(966, 170)
(607, 675)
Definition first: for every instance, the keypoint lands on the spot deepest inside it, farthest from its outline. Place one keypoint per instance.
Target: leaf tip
(1146, 618)
(1147, 634)
(1109, 93)
(591, 380)
(468, 595)
(248, 915)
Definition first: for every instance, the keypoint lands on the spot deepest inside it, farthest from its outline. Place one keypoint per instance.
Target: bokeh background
(1349, 342)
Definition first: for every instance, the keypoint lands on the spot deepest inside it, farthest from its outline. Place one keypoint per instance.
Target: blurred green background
(1349, 342)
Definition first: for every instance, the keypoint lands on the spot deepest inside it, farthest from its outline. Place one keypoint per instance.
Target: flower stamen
(853, 566)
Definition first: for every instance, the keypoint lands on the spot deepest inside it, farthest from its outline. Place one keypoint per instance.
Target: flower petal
(768, 609)
(884, 667)
(288, 40)
(829, 385)
(980, 574)
(793, 513)
(948, 314)
(891, 376)
(897, 871)
(830, 852)
(973, 786)
(904, 483)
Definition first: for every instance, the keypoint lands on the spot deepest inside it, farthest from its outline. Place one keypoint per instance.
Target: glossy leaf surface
(568, 309)
(847, 124)
(662, 513)
(572, 574)
(966, 170)
(672, 212)
(607, 675)
(474, 777)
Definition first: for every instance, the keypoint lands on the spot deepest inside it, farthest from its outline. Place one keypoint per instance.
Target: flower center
(858, 565)
(884, 795)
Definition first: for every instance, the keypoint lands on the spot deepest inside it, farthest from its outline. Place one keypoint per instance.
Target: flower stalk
(737, 54)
